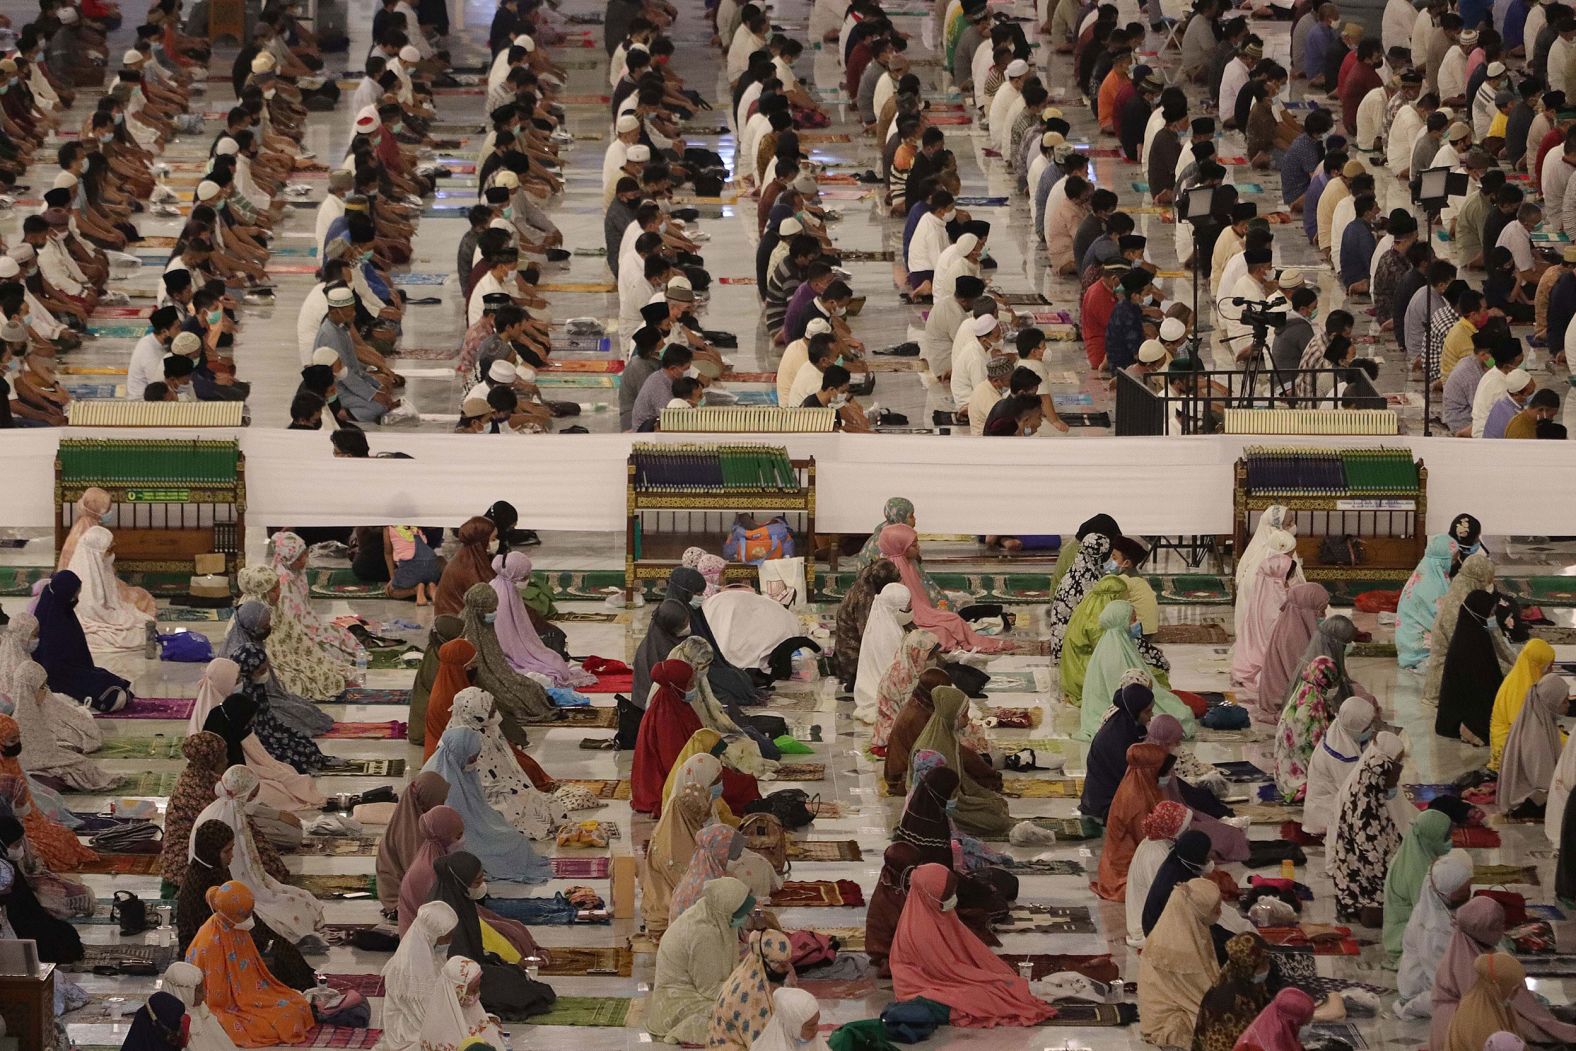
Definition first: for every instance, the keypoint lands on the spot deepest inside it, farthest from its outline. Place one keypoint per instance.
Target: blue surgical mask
(1391, 793)
(1365, 737)
(215, 316)
(1110, 565)
(952, 806)
(716, 791)
(1136, 630)
(1163, 780)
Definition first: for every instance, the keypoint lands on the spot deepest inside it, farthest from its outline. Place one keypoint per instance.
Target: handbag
(764, 835)
(130, 912)
(186, 647)
(790, 806)
(1344, 550)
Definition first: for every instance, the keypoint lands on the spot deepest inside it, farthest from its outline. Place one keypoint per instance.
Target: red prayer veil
(665, 729)
(934, 955)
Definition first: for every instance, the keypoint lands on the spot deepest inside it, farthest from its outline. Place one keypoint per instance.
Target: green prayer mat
(161, 746)
(147, 783)
(602, 1011)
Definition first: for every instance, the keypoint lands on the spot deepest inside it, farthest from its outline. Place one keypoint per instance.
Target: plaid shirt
(1387, 276)
(1312, 358)
(1439, 325)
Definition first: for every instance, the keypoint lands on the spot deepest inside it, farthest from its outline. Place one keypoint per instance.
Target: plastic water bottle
(1026, 970)
(361, 667)
(150, 643)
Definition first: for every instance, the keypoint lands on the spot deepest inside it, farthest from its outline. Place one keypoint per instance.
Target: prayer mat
(161, 956)
(585, 718)
(393, 730)
(829, 809)
(1474, 837)
(341, 583)
(1011, 682)
(613, 682)
(865, 255)
(1545, 965)
(337, 847)
(601, 1011)
(800, 772)
(340, 1036)
(1100, 1016)
(578, 286)
(147, 783)
(581, 868)
(1099, 968)
(1494, 875)
(178, 614)
(1011, 718)
(331, 888)
(1421, 795)
(838, 989)
(357, 695)
(428, 353)
(368, 985)
(162, 746)
(1025, 299)
(1320, 987)
(588, 617)
(1374, 649)
(1085, 419)
(1292, 940)
(1189, 589)
(807, 894)
(594, 960)
(1264, 852)
(824, 850)
(601, 788)
(1208, 634)
(1050, 867)
(984, 202)
(1346, 1032)
(800, 702)
(1242, 772)
(1028, 918)
(391, 659)
(1042, 787)
(154, 708)
(366, 768)
(1068, 828)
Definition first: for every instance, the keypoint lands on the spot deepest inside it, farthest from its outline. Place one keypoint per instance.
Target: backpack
(811, 948)
(764, 835)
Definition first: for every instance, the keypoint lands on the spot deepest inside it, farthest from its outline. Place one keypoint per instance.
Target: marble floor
(851, 780)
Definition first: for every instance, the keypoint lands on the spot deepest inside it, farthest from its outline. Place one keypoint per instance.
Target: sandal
(599, 744)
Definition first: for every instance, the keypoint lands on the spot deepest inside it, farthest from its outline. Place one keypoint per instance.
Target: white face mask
(949, 903)
(247, 924)
(479, 891)
(904, 616)
(839, 400)
(695, 601)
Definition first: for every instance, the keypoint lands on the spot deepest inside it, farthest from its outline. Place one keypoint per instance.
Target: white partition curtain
(1170, 485)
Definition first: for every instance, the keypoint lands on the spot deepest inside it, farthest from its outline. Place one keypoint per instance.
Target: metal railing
(1199, 401)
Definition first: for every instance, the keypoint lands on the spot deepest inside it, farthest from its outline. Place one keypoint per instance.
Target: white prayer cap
(207, 190)
(1517, 379)
(185, 344)
(263, 62)
(967, 243)
(131, 58)
(408, 53)
(23, 253)
(341, 297)
(627, 122)
(325, 356)
(9, 267)
(67, 15)
(817, 326)
(367, 120)
(227, 147)
(501, 371)
(1017, 68)
(985, 325)
(65, 180)
(1172, 329)
(524, 40)
(507, 179)
(789, 227)
(1152, 350)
